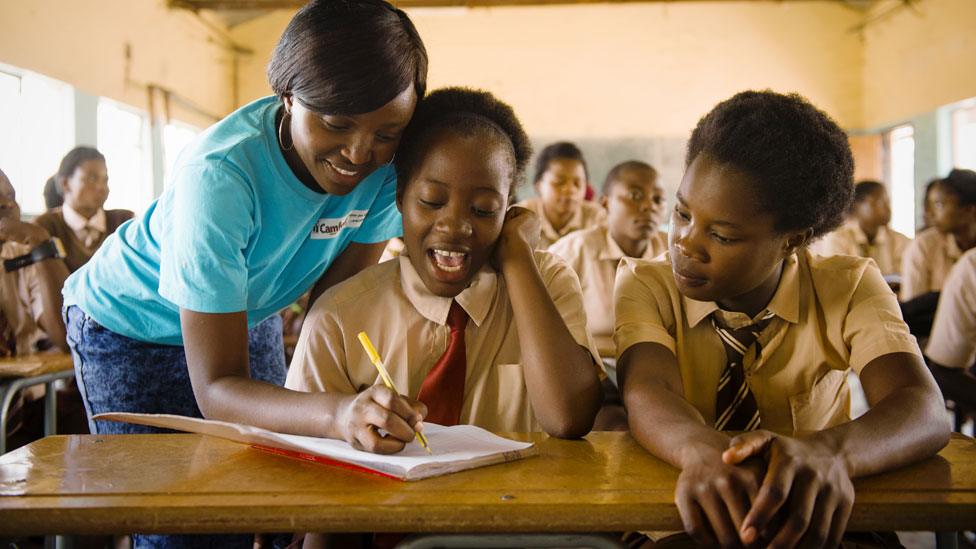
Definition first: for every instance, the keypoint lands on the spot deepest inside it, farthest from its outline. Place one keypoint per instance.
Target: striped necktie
(735, 406)
(443, 388)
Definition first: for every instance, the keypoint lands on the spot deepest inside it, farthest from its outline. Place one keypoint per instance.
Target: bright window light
(176, 136)
(123, 137)
(37, 117)
(900, 146)
(964, 137)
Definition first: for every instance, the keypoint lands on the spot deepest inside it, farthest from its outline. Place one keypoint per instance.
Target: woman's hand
(378, 408)
(520, 234)
(807, 485)
(713, 499)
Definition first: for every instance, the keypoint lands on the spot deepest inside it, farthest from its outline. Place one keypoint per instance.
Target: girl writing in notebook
(740, 328)
(470, 320)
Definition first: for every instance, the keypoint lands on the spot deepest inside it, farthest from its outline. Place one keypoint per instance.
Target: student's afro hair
(467, 112)
(798, 158)
(961, 183)
(555, 151)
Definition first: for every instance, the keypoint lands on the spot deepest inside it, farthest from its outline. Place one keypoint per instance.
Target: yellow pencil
(374, 357)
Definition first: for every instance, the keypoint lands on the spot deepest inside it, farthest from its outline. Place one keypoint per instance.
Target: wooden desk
(90, 484)
(24, 371)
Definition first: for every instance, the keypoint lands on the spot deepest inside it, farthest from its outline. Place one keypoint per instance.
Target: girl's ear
(604, 201)
(797, 240)
(62, 184)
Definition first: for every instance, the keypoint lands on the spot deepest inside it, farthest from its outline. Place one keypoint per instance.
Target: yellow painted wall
(620, 71)
(82, 42)
(918, 59)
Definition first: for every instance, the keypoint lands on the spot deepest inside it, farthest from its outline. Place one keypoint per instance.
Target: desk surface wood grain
(606, 482)
(35, 365)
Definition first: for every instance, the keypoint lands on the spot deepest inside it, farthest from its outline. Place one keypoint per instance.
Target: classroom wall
(624, 70)
(624, 80)
(84, 43)
(917, 59)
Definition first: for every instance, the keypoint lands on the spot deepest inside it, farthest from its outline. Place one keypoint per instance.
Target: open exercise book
(454, 448)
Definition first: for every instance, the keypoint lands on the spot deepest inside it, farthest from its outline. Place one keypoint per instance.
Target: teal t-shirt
(234, 231)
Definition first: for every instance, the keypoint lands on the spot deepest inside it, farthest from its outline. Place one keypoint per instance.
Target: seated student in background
(30, 291)
(866, 232)
(634, 201)
(470, 320)
(82, 223)
(561, 180)
(934, 251)
(953, 340)
(740, 328)
(30, 294)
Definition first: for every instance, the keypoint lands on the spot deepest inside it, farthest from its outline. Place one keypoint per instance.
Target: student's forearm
(907, 424)
(560, 376)
(51, 274)
(660, 418)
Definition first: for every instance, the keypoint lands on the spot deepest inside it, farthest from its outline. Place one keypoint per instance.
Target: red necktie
(443, 388)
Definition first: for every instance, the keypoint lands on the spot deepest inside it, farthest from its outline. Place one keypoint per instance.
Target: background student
(866, 232)
(741, 328)
(560, 180)
(30, 293)
(475, 324)
(928, 259)
(81, 222)
(634, 201)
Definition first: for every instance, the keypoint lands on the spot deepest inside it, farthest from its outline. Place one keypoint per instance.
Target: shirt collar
(784, 304)
(862, 239)
(476, 299)
(78, 222)
(574, 223)
(952, 248)
(613, 252)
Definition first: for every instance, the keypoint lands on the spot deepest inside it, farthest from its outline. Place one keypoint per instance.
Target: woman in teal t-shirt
(176, 311)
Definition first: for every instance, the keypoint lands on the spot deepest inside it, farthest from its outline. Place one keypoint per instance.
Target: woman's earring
(281, 132)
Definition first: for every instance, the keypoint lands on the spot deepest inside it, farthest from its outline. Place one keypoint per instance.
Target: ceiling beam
(295, 4)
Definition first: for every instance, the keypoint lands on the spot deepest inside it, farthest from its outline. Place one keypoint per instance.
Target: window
(37, 117)
(123, 137)
(176, 135)
(964, 136)
(900, 174)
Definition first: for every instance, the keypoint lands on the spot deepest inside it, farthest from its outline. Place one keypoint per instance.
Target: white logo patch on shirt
(329, 227)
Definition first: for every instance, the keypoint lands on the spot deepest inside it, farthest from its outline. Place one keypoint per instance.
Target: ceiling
(235, 12)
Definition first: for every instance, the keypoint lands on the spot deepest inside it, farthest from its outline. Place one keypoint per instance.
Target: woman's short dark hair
(799, 159)
(961, 183)
(75, 158)
(556, 151)
(467, 112)
(348, 56)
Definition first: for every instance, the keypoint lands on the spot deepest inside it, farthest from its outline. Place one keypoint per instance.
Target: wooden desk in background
(19, 372)
(184, 483)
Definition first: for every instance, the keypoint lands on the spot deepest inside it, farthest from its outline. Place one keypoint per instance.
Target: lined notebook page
(454, 448)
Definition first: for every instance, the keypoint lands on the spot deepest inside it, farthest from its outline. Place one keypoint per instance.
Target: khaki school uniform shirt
(590, 214)
(953, 339)
(831, 314)
(407, 324)
(20, 301)
(927, 262)
(594, 255)
(849, 239)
